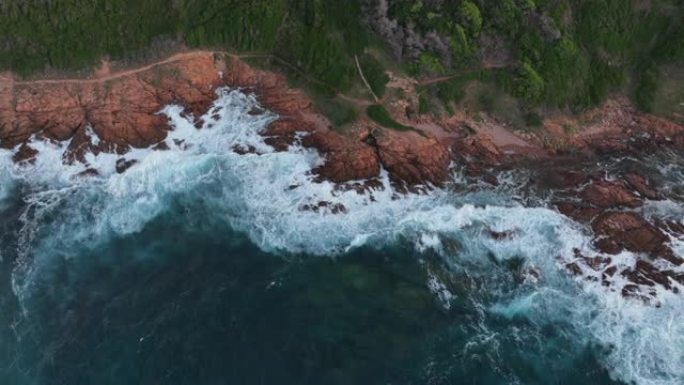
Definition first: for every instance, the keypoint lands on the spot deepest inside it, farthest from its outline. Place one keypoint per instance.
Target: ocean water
(199, 265)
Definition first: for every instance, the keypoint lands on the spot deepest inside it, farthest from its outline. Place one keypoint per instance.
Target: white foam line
(254, 193)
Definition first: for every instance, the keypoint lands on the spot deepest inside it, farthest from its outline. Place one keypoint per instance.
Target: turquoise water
(199, 266)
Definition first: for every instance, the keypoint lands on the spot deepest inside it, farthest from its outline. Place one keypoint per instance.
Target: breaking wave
(264, 193)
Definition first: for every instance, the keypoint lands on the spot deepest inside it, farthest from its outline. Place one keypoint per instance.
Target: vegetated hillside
(558, 53)
(318, 36)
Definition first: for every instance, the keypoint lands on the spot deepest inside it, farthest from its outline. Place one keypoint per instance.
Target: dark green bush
(380, 115)
(374, 73)
(338, 112)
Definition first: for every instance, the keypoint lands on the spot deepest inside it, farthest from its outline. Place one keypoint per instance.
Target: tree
(472, 17)
(529, 84)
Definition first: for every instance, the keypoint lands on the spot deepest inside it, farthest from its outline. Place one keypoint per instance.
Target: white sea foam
(6, 179)
(263, 193)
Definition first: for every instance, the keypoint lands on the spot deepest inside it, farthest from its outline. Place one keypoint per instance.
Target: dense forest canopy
(564, 53)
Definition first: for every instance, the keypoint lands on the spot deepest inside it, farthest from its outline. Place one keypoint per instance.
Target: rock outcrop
(610, 207)
(123, 112)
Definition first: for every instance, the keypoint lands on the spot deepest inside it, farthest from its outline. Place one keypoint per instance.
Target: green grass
(424, 106)
(374, 74)
(380, 115)
(669, 100)
(339, 113)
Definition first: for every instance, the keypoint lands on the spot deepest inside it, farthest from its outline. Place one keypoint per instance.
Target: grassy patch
(424, 106)
(374, 73)
(380, 115)
(669, 99)
(338, 112)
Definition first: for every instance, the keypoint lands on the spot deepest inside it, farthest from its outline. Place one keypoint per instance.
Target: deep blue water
(200, 304)
(200, 265)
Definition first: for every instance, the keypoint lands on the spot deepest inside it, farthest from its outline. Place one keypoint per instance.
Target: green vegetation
(561, 53)
(319, 36)
(424, 106)
(380, 115)
(529, 84)
(338, 112)
(472, 17)
(647, 86)
(374, 73)
(669, 99)
(532, 119)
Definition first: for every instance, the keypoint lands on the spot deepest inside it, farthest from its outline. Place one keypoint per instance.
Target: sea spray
(264, 194)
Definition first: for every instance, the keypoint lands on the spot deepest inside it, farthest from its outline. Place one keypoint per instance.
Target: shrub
(375, 74)
(529, 84)
(647, 86)
(472, 16)
(380, 115)
(338, 112)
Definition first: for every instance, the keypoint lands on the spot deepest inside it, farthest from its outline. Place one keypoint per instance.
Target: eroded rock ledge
(123, 112)
(611, 204)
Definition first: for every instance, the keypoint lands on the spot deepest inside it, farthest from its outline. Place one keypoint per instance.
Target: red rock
(577, 212)
(597, 263)
(334, 208)
(502, 235)
(123, 112)
(607, 195)
(674, 227)
(570, 178)
(645, 273)
(25, 154)
(478, 147)
(491, 179)
(412, 158)
(629, 231)
(642, 186)
(346, 160)
(574, 268)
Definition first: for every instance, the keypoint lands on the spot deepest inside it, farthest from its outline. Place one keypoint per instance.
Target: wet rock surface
(619, 226)
(632, 251)
(123, 113)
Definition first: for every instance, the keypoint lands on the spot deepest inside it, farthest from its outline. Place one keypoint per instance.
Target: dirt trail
(104, 73)
(445, 78)
(119, 74)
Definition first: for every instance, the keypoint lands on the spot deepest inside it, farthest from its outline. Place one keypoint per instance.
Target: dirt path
(104, 73)
(115, 75)
(108, 75)
(370, 89)
(445, 78)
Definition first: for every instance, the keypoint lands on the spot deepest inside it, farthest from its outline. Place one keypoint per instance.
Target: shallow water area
(200, 265)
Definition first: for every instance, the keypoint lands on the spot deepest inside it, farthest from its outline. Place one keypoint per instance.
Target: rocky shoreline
(123, 112)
